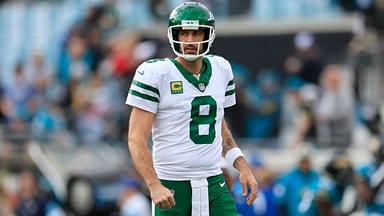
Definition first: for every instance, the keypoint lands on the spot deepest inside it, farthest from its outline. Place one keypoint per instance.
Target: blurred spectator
(101, 17)
(74, 67)
(74, 61)
(132, 201)
(311, 66)
(295, 190)
(337, 194)
(93, 106)
(237, 115)
(109, 91)
(306, 121)
(20, 106)
(39, 71)
(110, 20)
(20, 96)
(90, 125)
(292, 103)
(32, 201)
(159, 9)
(370, 181)
(95, 48)
(41, 76)
(125, 53)
(265, 204)
(292, 77)
(122, 54)
(97, 25)
(5, 202)
(95, 109)
(48, 121)
(370, 116)
(145, 50)
(265, 106)
(335, 109)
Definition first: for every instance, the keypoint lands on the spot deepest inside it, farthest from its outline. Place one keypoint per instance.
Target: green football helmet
(191, 16)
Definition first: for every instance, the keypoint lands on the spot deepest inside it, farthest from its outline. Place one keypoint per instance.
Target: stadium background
(66, 66)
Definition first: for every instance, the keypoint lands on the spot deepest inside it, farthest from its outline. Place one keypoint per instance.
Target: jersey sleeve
(144, 91)
(230, 94)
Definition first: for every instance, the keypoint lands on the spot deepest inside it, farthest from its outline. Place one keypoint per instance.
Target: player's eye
(198, 33)
(183, 33)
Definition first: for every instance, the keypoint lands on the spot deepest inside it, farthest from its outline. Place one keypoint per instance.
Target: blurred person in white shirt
(335, 109)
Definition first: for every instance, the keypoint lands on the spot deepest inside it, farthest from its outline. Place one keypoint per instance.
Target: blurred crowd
(79, 99)
(310, 101)
(339, 188)
(80, 95)
(83, 92)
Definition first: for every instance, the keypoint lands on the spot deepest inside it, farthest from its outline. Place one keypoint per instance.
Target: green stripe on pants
(220, 199)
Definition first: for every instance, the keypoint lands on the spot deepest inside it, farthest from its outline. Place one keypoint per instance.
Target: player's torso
(187, 129)
(180, 98)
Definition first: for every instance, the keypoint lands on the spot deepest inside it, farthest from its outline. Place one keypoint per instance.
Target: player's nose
(190, 37)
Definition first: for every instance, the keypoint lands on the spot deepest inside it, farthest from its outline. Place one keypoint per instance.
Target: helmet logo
(190, 24)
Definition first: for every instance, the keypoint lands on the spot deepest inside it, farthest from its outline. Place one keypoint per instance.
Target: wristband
(232, 155)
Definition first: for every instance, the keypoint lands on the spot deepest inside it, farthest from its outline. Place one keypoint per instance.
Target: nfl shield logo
(202, 87)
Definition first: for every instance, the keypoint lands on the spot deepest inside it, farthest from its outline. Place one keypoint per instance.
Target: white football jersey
(187, 142)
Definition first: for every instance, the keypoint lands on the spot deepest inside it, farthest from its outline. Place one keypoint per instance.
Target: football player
(181, 101)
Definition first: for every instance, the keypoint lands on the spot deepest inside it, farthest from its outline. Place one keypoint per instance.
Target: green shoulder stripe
(143, 96)
(231, 92)
(146, 87)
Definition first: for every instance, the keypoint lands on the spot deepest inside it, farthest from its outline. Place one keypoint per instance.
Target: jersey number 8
(206, 119)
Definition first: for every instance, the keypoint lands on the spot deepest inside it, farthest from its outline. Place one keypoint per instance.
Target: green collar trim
(205, 74)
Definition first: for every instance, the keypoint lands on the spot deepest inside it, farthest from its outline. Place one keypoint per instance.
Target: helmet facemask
(202, 46)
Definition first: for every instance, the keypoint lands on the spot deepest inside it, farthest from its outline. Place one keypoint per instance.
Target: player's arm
(139, 130)
(233, 154)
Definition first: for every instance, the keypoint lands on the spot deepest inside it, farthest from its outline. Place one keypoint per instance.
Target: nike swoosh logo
(140, 72)
(222, 184)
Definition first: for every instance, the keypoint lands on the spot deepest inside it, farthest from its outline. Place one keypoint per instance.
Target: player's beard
(190, 49)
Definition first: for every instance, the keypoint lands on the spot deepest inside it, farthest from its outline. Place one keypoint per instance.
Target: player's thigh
(220, 199)
(182, 194)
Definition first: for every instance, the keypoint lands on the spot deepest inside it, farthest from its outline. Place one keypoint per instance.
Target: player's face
(189, 36)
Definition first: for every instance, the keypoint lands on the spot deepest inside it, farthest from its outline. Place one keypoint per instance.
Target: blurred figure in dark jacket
(370, 181)
(337, 195)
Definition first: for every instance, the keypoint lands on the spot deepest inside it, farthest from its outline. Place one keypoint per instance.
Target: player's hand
(248, 180)
(162, 196)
